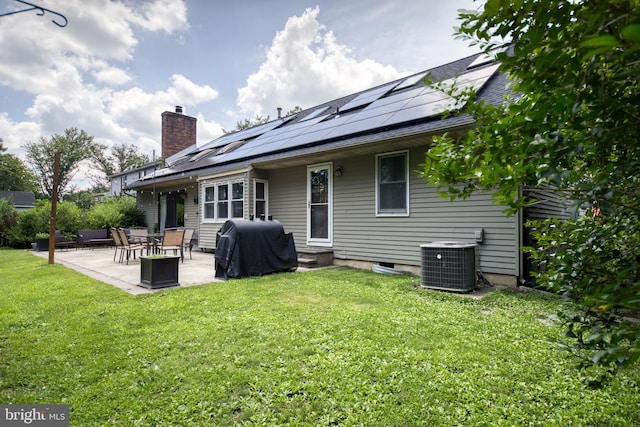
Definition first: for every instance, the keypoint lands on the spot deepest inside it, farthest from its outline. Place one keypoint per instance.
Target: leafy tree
(117, 159)
(75, 146)
(83, 198)
(15, 176)
(8, 218)
(247, 123)
(294, 110)
(115, 212)
(572, 125)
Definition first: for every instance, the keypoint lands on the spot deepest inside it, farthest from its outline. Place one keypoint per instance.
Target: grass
(329, 347)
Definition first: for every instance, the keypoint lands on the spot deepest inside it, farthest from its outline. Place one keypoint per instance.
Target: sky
(118, 64)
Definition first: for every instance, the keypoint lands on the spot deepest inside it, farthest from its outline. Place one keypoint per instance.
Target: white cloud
(15, 135)
(139, 110)
(305, 65)
(163, 15)
(77, 75)
(207, 130)
(111, 76)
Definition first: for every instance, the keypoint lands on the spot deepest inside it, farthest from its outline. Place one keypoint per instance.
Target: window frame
(216, 202)
(387, 212)
(266, 196)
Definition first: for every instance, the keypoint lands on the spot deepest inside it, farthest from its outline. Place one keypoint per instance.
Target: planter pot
(42, 244)
(159, 272)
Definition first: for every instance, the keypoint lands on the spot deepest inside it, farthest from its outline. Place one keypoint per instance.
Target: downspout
(519, 240)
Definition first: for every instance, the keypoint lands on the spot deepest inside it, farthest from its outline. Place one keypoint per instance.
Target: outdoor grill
(247, 248)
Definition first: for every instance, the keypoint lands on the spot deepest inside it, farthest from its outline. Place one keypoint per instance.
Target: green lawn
(329, 347)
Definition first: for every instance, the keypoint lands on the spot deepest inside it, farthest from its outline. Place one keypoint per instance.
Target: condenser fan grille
(449, 266)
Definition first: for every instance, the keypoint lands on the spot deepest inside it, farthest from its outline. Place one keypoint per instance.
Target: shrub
(115, 212)
(8, 218)
(31, 222)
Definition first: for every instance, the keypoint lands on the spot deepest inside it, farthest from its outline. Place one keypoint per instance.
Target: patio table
(152, 241)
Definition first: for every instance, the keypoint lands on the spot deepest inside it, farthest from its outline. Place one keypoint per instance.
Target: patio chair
(173, 240)
(129, 247)
(187, 242)
(118, 244)
(138, 235)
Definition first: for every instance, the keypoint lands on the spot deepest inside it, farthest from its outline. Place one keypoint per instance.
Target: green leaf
(595, 52)
(601, 41)
(631, 32)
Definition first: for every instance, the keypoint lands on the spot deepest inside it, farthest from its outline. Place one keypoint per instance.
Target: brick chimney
(178, 132)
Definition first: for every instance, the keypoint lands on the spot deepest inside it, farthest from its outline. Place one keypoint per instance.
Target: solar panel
(411, 80)
(485, 58)
(475, 79)
(246, 133)
(362, 124)
(284, 133)
(394, 98)
(272, 141)
(426, 97)
(315, 113)
(420, 111)
(480, 74)
(368, 97)
(313, 135)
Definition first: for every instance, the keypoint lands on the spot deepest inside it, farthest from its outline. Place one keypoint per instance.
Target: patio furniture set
(176, 240)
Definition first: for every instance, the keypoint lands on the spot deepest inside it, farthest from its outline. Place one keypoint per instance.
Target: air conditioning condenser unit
(449, 266)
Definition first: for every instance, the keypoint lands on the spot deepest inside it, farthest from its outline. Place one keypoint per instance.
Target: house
(340, 176)
(22, 200)
(119, 181)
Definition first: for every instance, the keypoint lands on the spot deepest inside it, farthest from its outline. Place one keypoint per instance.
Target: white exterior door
(319, 205)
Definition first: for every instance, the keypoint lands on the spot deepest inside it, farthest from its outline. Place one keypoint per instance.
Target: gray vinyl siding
(358, 234)
(549, 204)
(191, 210)
(288, 201)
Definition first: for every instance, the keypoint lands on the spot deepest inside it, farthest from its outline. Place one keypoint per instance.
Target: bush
(115, 212)
(34, 221)
(29, 223)
(8, 218)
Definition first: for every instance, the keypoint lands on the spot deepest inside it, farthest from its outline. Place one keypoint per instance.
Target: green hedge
(113, 212)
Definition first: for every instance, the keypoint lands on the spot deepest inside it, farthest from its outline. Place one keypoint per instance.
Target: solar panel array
(381, 107)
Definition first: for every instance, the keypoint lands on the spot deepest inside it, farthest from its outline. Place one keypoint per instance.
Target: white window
(260, 198)
(237, 200)
(209, 203)
(223, 200)
(392, 184)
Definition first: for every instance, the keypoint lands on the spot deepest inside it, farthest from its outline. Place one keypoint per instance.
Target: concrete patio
(98, 263)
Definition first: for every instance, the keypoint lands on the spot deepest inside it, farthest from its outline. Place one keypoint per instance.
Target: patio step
(311, 258)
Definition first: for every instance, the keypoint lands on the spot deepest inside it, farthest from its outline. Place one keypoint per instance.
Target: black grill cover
(253, 248)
